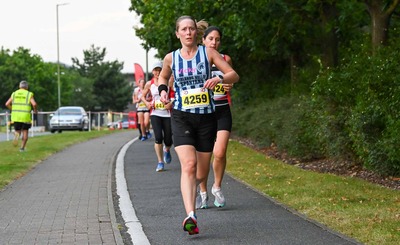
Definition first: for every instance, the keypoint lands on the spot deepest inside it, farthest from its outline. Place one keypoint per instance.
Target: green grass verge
(366, 212)
(3, 128)
(14, 164)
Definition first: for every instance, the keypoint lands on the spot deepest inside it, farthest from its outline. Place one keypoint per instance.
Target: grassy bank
(366, 212)
(14, 164)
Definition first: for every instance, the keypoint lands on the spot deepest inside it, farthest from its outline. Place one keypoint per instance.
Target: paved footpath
(66, 199)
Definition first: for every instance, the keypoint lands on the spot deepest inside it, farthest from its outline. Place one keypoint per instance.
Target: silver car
(69, 118)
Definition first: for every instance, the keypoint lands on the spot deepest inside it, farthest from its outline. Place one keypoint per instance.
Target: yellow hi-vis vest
(21, 106)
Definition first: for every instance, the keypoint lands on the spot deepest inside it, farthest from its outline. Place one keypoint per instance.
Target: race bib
(158, 105)
(219, 89)
(195, 98)
(142, 105)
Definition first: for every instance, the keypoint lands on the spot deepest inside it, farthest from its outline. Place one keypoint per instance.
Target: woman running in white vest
(160, 116)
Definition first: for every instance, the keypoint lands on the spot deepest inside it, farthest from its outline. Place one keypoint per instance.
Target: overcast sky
(108, 24)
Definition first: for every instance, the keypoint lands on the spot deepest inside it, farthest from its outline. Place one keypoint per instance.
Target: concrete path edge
(111, 209)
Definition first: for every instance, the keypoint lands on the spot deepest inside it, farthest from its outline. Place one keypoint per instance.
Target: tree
(92, 59)
(7, 78)
(380, 12)
(81, 90)
(22, 65)
(281, 36)
(110, 90)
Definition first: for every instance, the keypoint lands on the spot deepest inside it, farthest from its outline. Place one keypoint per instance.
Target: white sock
(191, 214)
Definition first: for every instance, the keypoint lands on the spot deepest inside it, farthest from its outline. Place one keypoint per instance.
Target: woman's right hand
(164, 97)
(227, 86)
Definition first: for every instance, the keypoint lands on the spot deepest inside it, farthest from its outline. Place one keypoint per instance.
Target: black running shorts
(22, 126)
(224, 117)
(198, 130)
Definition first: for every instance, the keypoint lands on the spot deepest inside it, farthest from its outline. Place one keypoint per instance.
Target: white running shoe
(201, 200)
(219, 197)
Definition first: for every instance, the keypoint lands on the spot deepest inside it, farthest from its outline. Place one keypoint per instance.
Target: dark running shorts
(198, 130)
(224, 117)
(21, 126)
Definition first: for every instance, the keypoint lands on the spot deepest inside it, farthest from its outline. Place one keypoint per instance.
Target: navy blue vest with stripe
(190, 76)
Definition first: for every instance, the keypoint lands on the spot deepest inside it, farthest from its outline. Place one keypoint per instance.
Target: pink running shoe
(190, 225)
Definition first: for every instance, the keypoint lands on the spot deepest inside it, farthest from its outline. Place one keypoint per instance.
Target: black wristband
(162, 87)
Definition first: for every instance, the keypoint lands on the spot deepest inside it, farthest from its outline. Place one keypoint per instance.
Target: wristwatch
(221, 78)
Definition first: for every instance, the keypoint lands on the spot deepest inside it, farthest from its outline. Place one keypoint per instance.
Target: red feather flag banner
(139, 74)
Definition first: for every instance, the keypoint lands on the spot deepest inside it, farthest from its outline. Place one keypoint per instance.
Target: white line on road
(133, 224)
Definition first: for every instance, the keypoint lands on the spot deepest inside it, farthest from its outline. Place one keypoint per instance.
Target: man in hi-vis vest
(20, 103)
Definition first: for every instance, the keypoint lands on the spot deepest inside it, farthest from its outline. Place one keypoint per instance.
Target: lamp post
(58, 57)
(147, 64)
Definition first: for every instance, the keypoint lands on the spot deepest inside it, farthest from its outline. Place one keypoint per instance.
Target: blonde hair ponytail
(202, 26)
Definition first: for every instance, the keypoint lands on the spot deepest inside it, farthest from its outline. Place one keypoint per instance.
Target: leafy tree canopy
(22, 65)
(110, 90)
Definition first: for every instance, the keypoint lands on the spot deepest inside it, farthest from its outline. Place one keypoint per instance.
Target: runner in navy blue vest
(193, 119)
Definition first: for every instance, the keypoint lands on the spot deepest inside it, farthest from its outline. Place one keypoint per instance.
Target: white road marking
(133, 224)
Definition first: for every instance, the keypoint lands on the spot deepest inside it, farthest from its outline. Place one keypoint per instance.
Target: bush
(363, 97)
(285, 121)
(350, 114)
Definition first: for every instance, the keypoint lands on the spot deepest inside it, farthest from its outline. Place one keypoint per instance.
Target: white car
(69, 118)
